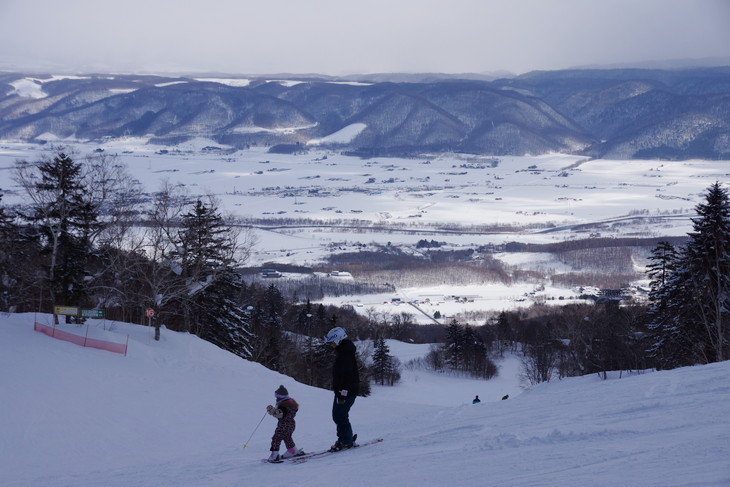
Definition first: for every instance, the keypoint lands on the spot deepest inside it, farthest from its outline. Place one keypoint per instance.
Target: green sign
(92, 313)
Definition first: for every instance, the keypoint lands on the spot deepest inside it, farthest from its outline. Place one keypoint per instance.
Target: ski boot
(339, 446)
(293, 452)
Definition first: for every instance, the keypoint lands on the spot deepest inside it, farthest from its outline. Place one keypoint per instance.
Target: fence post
(87, 334)
(126, 345)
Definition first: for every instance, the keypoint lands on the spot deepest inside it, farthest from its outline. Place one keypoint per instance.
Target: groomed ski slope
(177, 413)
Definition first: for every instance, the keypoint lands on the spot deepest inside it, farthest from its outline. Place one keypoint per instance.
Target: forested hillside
(609, 113)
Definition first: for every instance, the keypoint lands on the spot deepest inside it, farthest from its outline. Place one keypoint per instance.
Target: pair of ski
(304, 457)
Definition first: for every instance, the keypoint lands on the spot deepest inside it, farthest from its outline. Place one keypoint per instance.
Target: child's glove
(277, 413)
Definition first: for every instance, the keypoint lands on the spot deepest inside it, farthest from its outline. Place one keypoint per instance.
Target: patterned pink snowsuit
(285, 427)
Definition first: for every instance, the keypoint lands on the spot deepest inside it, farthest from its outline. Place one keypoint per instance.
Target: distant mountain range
(606, 113)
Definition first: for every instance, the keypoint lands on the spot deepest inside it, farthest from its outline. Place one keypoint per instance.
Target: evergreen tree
(6, 221)
(319, 358)
(8, 230)
(206, 242)
(470, 344)
(454, 345)
(319, 321)
(504, 333)
(207, 258)
(690, 314)
(708, 258)
(269, 329)
(385, 368)
(662, 262)
(477, 360)
(205, 251)
(304, 319)
(65, 218)
(224, 321)
(665, 300)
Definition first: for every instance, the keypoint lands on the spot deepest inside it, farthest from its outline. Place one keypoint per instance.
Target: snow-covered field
(423, 302)
(177, 413)
(544, 196)
(397, 201)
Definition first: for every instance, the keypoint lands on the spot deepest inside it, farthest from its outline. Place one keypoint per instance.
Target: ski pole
(254, 430)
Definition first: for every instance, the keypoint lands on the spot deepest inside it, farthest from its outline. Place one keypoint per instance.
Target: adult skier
(345, 384)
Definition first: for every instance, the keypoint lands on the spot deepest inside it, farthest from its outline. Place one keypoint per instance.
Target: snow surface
(33, 87)
(28, 88)
(454, 299)
(236, 82)
(177, 413)
(342, 136)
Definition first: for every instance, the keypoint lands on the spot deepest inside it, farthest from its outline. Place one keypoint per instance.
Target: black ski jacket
(344, 371)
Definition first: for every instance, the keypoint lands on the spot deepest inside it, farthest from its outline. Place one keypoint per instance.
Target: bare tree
(162, 276)
(117, 195)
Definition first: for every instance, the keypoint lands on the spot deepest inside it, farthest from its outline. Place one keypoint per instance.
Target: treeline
(314, 287)
(553, 341)
(590, 243)
(608, 263)
(574, 339)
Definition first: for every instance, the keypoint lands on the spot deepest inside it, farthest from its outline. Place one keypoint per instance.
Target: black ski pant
(341, 417)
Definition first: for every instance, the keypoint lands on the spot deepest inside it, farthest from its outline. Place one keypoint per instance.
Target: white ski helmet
(335, 335)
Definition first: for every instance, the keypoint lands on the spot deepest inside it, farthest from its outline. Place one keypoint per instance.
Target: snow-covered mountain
(612, 113)
(177, 413)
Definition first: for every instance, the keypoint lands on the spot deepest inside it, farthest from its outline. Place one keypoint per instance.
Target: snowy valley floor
(177, 413)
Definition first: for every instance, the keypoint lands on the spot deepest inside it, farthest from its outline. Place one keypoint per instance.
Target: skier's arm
(275, 412)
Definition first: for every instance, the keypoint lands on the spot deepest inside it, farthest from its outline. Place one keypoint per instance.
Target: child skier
(285, 410)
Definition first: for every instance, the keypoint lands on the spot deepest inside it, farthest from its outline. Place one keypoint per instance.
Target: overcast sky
(340, 37)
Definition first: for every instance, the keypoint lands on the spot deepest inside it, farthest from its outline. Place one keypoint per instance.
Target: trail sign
(66, 310)
(92, 313)
(149, 312)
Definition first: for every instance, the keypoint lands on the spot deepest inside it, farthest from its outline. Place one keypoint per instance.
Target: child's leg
(279, 435)
(288, 431)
